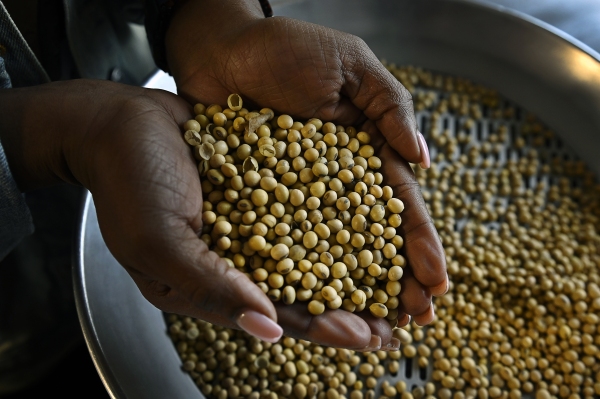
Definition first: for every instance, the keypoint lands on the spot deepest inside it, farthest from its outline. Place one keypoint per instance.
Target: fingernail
(374, 344)
(260, 326)
(441, 288)
(426, 317)
(393, 345)
(425, 159)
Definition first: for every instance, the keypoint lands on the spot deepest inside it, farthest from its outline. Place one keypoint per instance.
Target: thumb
(189, 279)
(383, 99)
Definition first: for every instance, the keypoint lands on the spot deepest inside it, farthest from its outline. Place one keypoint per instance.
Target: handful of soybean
(299, 208)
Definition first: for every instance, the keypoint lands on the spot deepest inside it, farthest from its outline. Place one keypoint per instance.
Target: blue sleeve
(15, 219)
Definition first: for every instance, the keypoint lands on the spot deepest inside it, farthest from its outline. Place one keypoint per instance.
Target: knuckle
(203, 298)
(158, 289)
(407, 188)
(359, 42)
(419, 222)
(406, 98)
(415, 228)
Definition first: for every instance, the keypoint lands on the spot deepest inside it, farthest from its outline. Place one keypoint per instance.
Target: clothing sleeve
(15, 218)
(157, 18)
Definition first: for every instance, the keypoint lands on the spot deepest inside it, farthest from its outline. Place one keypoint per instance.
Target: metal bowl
(540, 68)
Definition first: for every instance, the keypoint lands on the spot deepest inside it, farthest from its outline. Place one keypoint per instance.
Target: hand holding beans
(307, 71)
(344, 220)
(326, 239)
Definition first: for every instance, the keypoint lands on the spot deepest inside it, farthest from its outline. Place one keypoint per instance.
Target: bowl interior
(541, 69)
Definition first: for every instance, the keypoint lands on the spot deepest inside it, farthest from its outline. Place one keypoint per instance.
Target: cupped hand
(148, 197)
(308, 70)
(125, 145)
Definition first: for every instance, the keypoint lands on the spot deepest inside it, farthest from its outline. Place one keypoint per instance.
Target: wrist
(199, 30)
(32, 132)
(53, 133)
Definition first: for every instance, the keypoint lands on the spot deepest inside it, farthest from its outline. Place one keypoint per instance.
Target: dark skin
(308, 70)
(125, 145)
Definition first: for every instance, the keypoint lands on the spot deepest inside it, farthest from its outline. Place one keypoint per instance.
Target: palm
(148, 184)
(305, 80)
(299, 73)
(149, 203)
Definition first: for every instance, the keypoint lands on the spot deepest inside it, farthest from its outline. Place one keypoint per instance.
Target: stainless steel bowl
(538, 67)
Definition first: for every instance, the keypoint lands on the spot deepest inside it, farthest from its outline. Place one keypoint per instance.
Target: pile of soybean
(519, 217)
(299, 207)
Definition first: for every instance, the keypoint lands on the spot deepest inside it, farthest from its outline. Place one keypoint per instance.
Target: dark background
(74, 377)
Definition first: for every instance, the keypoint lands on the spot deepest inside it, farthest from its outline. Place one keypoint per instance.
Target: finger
(403, 320)
(426, 317)
(336, 328)
(416, 303)
(197, 282)
(422, 245)
(441, 288)
(381, 328)
(383, 99)
(415, 299)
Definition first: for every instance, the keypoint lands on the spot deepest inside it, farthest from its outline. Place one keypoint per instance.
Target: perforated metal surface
(516, 145)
